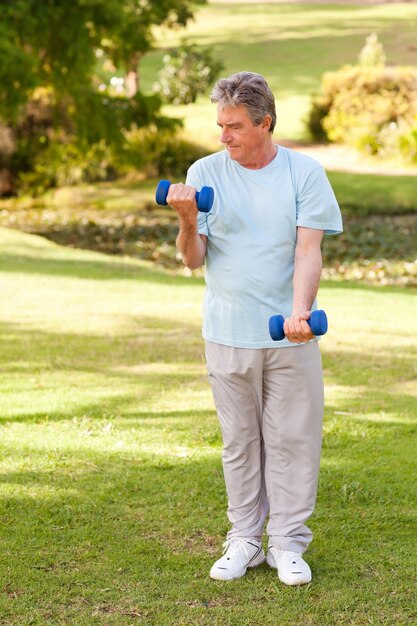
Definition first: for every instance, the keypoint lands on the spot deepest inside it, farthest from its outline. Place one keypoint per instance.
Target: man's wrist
(300, 310)
(188, 225)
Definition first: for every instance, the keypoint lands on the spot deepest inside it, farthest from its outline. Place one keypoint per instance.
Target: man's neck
(264, 158)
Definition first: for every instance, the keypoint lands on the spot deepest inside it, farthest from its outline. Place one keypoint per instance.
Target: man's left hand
(296, 328)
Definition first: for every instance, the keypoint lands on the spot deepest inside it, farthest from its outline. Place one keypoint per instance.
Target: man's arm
(307, 272)
(190, 244)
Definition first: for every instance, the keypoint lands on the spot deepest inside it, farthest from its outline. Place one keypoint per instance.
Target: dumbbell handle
(204, 198)
(317, 323)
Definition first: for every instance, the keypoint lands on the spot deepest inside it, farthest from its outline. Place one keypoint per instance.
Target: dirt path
(344, 159)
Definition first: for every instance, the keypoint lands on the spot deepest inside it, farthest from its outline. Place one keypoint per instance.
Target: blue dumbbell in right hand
(204, 198)
(317, 323)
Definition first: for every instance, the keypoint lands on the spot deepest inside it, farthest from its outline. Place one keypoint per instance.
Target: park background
(112, 504)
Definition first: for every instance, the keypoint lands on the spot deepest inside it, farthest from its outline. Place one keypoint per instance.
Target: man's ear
(266, 123)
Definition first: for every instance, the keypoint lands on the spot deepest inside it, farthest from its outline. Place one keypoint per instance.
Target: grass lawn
(113, 503)
(290, 44)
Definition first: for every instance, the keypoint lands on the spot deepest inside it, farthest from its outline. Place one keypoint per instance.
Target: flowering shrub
(371, 106)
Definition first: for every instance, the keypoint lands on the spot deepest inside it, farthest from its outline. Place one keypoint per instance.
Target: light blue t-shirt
(251, 232)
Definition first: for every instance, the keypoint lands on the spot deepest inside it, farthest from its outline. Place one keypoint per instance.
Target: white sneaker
(292, 569)
(239, 553)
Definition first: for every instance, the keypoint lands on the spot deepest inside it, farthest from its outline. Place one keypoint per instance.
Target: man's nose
(224, 135)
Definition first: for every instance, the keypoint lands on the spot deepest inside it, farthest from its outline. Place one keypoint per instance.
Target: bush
(407, 141)
(372, 107)
(67, 164)
(37, 154)
(186, 74)
(42, 152)
(156, 152)
(150, 152)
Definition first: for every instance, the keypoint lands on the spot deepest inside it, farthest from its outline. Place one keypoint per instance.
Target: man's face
(244, 141)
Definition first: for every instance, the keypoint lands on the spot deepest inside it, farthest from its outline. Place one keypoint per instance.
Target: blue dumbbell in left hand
(204, 197)
(317, 323)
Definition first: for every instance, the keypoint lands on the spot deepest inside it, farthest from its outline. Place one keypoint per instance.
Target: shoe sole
(290, 583)
(257, 561)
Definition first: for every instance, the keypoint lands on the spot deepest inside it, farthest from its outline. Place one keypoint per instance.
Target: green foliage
(157, 152)
(47, 153)
(47, 158)
(370, 106)
(407, 142)
(56, 43)
(187, 72)
(67, 164)
(57, 60)
(93, 146)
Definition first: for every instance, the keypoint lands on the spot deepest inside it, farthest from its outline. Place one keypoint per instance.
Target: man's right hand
(191, 245)
(182, 198)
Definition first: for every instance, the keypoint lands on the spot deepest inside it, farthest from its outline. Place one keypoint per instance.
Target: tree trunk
(132, 76)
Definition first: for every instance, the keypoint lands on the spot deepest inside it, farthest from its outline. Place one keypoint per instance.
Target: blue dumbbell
(317, 323)
(204, 198)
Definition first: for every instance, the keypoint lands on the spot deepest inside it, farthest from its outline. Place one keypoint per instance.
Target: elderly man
(261, 244)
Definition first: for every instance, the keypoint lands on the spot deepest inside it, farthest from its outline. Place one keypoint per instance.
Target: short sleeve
(317, 206)
(194, 179)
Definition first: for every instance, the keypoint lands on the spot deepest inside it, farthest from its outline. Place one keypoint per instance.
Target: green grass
(291, 45)
(361, 195)
(113, 503)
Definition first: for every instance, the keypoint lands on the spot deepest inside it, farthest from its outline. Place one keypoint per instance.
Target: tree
(58, 46)
(186, 74)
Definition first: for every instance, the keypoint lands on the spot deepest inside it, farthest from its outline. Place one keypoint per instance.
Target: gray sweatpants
(270, 407)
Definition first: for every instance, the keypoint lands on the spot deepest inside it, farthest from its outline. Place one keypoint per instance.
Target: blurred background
(102, 98)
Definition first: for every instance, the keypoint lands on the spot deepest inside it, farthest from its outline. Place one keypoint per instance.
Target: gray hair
(249, 90)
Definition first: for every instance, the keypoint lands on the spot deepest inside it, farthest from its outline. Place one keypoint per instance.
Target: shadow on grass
(117, 530)
(91, 270)
(154, 341)
(120, 371)
(107, 532)
(355, 368)
(164, 357)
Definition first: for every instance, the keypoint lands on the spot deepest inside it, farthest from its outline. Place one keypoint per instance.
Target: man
(261, 246)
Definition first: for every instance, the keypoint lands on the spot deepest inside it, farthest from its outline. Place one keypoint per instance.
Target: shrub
(67, 164)
(156, 152)
(407, 142)
(370, 106)
(372, 53)
(44, 152)
(186, 74)
(40, 154)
